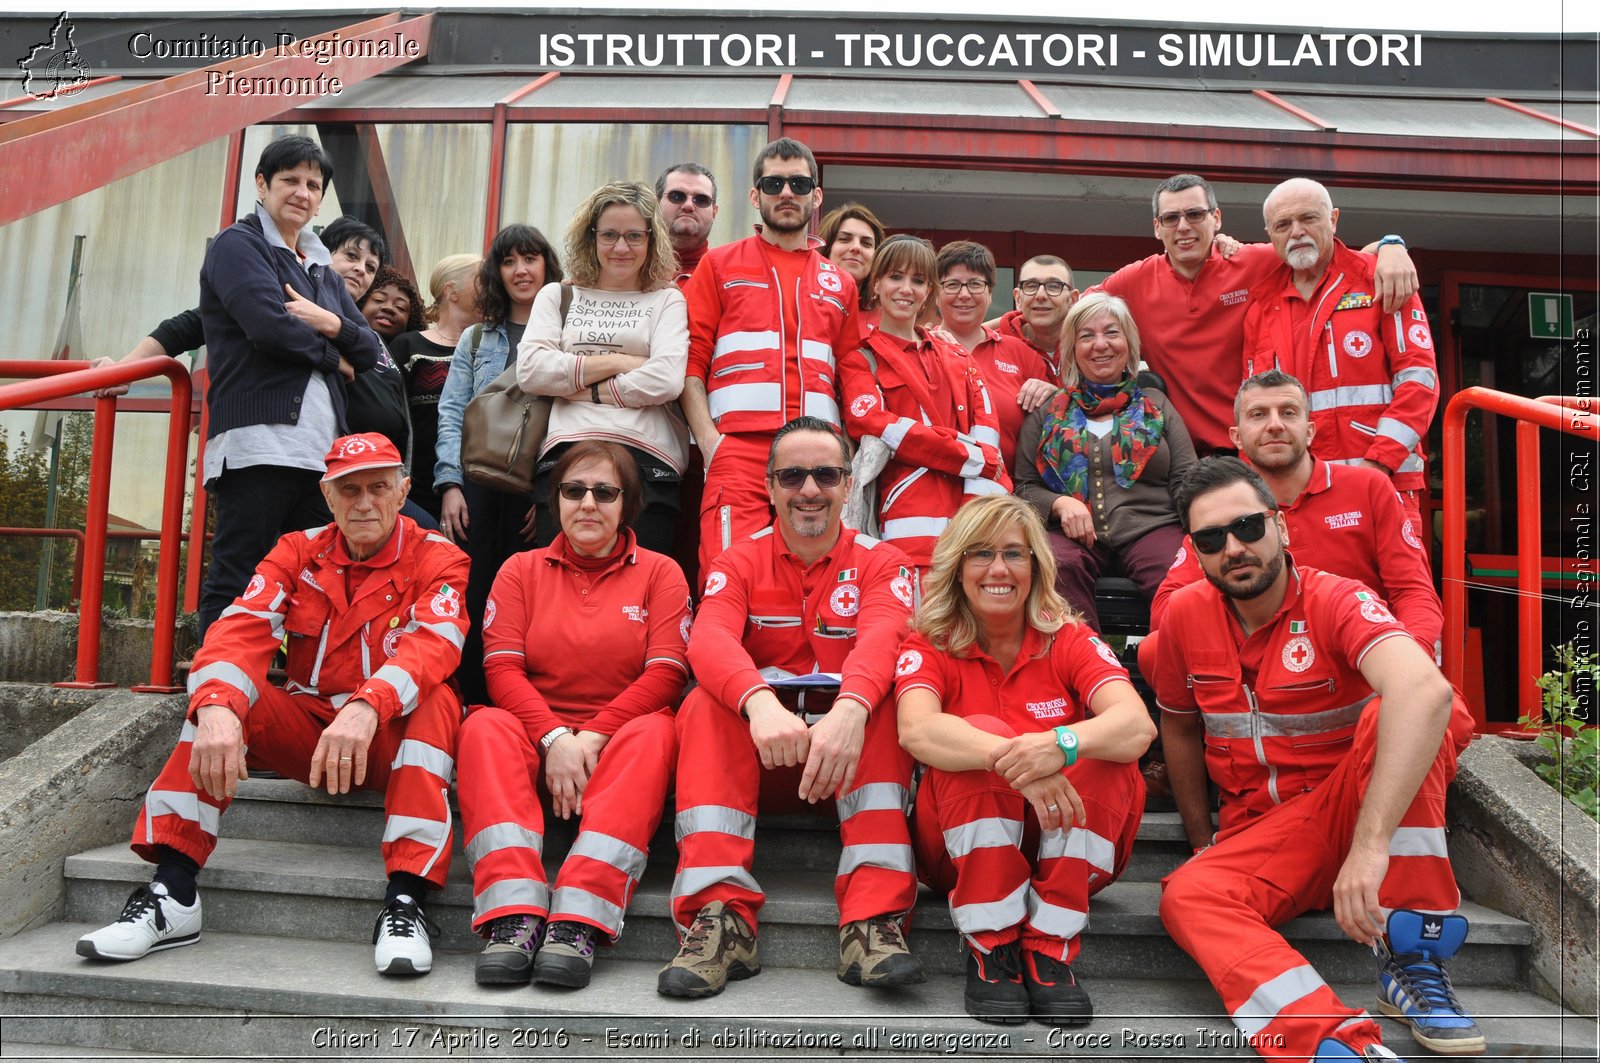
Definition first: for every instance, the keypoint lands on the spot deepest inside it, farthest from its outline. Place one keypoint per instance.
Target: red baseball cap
(366, 450)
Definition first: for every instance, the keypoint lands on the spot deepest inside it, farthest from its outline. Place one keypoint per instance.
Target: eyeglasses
(794, 478)
(976, 286)
(983, 557)
(1247, 529)
(573, 491)
(610, 237)
(677, 197)
(1051, 288)
(1194, 216)
(800, 185)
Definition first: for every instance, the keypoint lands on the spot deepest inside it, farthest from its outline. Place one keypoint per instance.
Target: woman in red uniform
(923, 398)
(1031, 733)
(591, 732)
(1017, 376)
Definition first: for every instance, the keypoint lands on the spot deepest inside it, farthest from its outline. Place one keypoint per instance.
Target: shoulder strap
(566, 302)
(477, 338)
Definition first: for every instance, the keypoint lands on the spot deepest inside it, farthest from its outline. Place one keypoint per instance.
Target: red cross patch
(1357, 344)
(845, 599)
(1298, 654)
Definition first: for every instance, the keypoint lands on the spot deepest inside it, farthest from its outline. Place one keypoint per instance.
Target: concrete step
(291, 889)
(284, 810)
(244, 995)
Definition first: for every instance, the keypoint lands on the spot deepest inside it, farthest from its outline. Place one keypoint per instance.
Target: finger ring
(1052, 808)
(344, 760)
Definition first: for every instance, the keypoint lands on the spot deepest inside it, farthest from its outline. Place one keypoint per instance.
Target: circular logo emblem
(909, 662)
(1376, 613)
(1182, 556)
(258, 583)
(684, 625)
(830, 281)
(1107, 654)
(354, 446)
(714, 583)
(446, 604)
(1298, 654)
(1408, 532)
(1357, 344)
(862, 403)
(488, 613)
(1419, 336)
(391, 642)
(845, 599)
(902, 590)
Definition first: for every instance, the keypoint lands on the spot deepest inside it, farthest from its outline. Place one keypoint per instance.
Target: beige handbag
(503, 429)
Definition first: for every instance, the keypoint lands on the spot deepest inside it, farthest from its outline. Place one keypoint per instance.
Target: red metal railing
(1574, 416)
(47, 381)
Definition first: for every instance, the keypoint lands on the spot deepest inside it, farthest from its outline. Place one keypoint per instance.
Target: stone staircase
(284, 971)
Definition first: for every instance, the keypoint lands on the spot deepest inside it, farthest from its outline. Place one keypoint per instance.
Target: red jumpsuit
(1191, 331)
(926, 401)
(1372, 376)
(766, 327)
(1347, 521)
(977, 839)
(595, 645)
(1290, 735)
(763, 611)
(387, 631)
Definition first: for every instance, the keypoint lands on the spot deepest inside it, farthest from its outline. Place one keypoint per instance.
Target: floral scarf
(1065, 440)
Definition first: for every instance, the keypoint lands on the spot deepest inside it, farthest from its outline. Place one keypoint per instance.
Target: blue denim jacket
(469, 374)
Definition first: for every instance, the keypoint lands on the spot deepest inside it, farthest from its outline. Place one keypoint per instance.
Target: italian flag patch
(846, 575)
(1297, 627)
(1363, 596)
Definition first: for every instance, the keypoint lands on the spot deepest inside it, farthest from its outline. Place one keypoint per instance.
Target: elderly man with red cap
(371, 606)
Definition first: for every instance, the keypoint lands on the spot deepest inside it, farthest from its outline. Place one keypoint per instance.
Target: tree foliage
(24, 494)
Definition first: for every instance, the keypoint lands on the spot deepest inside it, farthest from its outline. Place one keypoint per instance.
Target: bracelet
(594, 393)
(1067, 742)
(550, 737)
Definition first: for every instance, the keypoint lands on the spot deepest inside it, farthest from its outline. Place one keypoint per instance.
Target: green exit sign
(1550, 315)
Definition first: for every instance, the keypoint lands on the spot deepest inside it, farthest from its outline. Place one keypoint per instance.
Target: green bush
(1567, 728)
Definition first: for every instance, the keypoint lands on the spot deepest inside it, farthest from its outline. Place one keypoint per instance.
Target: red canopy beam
(93, 143)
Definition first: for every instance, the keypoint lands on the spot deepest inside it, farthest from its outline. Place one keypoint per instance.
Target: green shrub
(1567, 728)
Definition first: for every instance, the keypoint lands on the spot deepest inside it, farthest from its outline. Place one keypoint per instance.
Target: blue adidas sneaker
(1414, 988)
(1332, 1050)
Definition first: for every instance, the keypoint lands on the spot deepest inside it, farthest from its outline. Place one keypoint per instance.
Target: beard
(1303, 258)
(1270, 571)
(788, 223)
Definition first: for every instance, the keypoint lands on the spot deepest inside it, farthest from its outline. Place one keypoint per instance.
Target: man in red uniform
(1332, 738)
(687, 193)
(805, 595)
(1371, 372)
(1190, 301)
(1043, 295)
(371, 605)
(1341, 518)
(768, 317)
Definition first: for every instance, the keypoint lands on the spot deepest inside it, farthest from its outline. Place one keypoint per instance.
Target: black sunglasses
(793, 478)
(800, 185)
(678, 197)
(1247, 529)
(573, 491)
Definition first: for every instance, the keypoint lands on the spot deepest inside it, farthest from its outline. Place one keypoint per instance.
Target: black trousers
(256, 505)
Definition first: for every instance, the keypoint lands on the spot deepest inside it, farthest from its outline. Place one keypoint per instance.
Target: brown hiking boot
(873, 952)
(720, 947)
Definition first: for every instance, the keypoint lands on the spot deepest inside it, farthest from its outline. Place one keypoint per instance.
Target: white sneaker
(401, 938)
(150, 921)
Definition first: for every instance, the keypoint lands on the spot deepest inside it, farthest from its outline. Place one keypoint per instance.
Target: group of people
(904, 512)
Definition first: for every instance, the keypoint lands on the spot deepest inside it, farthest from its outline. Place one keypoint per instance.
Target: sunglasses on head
(800, 185)
(1247, 529)
(678, 197)
(793, 478)
(573, 491)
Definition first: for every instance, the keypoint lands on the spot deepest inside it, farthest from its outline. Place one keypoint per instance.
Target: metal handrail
(54, 380)
(1568, 414)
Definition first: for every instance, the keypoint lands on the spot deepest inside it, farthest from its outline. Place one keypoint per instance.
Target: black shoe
(567, 955)
(1054, 992)
(995, 992)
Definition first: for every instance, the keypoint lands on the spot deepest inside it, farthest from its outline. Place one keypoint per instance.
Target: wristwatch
(1067, 740)
(1391, 239)
(550, 737)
